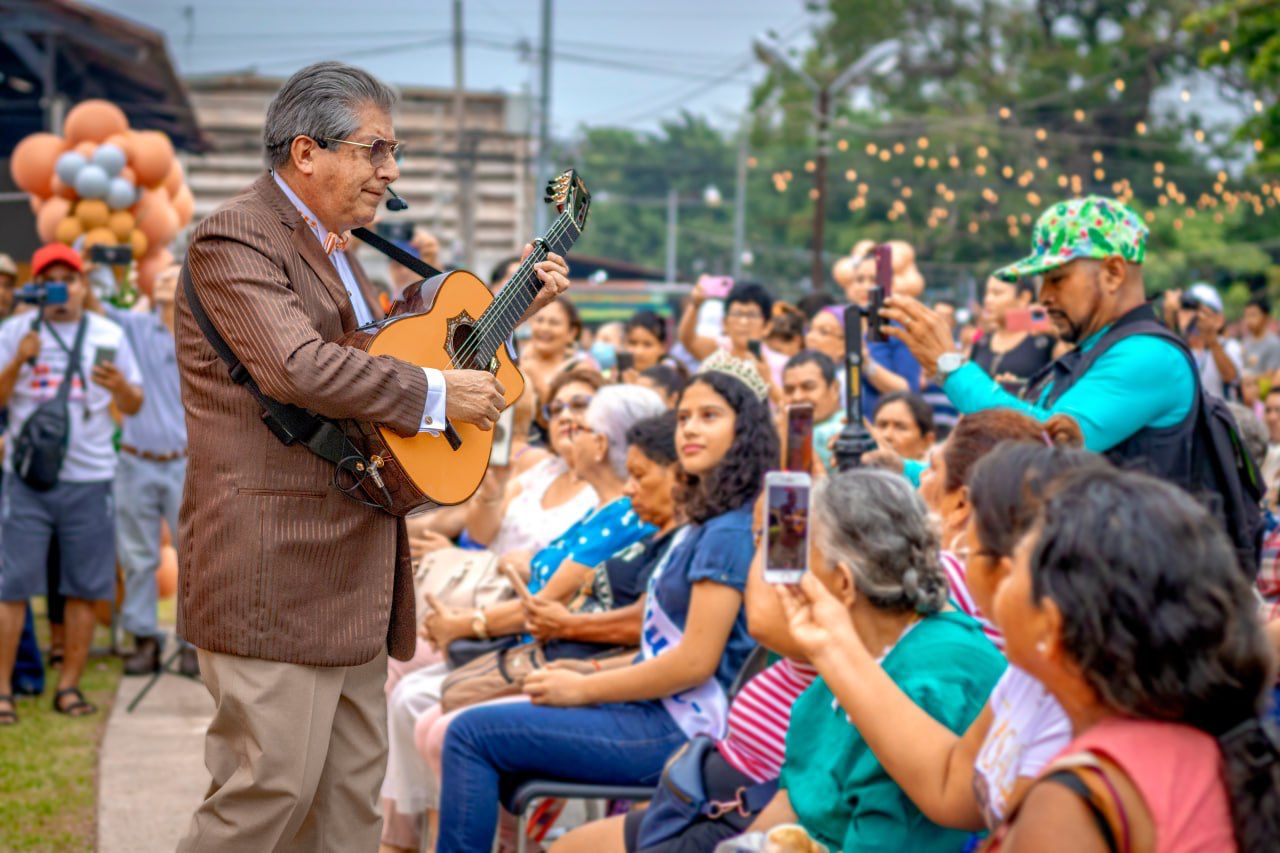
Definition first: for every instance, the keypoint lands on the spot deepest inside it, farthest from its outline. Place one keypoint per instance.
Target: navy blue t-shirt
(719, 550)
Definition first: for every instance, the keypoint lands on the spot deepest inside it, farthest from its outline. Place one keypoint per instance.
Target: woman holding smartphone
(620, 724)
(1010, 351)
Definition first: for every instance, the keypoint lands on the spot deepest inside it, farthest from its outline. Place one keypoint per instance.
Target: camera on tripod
(42, 293)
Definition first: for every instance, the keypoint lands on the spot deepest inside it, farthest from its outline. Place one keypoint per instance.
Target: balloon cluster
(907, 279)
(104, 184)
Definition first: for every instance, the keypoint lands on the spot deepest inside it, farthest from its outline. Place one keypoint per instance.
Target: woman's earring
(1042, 647)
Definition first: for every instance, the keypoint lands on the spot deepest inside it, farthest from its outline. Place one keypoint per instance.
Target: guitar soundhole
(459, 330)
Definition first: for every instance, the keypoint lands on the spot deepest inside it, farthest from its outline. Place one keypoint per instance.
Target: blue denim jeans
(490, 751)
(146, 492)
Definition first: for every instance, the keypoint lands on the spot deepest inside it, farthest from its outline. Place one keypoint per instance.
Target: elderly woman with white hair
(557, 572)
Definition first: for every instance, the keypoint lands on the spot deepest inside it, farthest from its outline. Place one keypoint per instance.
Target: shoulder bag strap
(395, 253)
(289, 423)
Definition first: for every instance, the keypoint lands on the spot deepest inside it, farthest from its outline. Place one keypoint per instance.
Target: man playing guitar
(292, 592)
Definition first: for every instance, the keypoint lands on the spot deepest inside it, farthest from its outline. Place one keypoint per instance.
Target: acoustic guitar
(453, 322)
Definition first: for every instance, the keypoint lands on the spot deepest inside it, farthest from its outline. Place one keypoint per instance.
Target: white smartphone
(786, 525)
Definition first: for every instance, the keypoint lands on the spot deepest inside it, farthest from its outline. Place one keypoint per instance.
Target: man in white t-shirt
(77, 508)
(1220, 360)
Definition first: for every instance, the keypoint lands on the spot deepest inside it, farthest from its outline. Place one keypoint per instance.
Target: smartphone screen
(755, 348)
(799, 438)
(715, 286)
(104, 355)
(786, 531)
(882, 289)
(500, 454)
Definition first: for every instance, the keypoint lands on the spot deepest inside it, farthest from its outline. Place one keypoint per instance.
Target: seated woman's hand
(582, 667)
(546, 620)
(556, 687)
(423, 542)
(444, 624)
(819, 622)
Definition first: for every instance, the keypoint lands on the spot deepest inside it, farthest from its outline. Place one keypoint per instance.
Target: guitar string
(504, 311)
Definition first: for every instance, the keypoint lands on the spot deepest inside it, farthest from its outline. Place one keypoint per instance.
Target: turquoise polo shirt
(1140, 382)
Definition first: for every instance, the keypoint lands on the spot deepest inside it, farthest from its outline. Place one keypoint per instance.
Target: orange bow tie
(336, 241)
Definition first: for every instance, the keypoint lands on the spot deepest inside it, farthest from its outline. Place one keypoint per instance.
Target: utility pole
(542, 168)
(673, 224)
(463, 146)
(877, 60)
(740, 204)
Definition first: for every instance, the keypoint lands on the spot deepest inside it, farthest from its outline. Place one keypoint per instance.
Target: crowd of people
(1029, 608)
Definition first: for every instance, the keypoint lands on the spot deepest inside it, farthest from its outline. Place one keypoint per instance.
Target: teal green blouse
(838, 789)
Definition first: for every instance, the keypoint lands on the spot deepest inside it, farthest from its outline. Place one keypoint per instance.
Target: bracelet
(480, 625)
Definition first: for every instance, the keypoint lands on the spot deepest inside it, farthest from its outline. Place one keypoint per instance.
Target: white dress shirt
(433, 413)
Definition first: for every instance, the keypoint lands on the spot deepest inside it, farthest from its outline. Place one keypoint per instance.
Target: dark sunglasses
(379, 149)
(577, 404)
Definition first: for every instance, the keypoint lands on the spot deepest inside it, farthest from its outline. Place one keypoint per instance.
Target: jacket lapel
(304, 240)
(370, 292)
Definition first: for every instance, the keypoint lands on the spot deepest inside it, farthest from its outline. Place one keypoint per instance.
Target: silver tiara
(739, 368)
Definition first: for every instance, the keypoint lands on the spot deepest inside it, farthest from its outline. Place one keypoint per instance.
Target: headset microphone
(395, 203)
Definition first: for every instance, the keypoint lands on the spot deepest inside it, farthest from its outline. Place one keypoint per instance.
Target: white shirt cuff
(433, 420)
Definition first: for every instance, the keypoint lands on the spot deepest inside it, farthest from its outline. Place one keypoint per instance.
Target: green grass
(49, 762)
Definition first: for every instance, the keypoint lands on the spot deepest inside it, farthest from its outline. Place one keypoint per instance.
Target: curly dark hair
(1162, 624)
(738, 478)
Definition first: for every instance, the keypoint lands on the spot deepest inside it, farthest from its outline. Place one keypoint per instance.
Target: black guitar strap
(291, 424)
(395, 253)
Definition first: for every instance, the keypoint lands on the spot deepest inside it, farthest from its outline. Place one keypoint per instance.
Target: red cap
(55, 253)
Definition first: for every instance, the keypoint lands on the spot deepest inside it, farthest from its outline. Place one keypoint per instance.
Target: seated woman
(874, 588)
(903, 422)
(598, 453)
(1126, 603)
(523, 515)
(619, 725)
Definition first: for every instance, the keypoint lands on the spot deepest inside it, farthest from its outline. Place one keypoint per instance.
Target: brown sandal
(9, 716)
(79, 708)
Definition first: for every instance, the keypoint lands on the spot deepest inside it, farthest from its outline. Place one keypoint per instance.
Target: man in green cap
(1130, 383)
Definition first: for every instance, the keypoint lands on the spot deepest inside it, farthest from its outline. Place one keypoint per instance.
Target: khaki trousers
(297, 755)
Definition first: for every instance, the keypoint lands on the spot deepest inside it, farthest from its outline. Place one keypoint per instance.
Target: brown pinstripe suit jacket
(275, 563)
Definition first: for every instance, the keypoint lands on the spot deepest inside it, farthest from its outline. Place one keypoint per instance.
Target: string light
(884, 155)
(1099, 175)
(1007, 171)
(1141, 127)
(982, 152)
(1257, 105)
(850, 175)
(872, 149)
(1159, 167)
(843, 145)
(752, 162)
(1185, 95)
(1199, 135)
(1005, 112)
(1041, 134)
(1119, 84)
(899, 148)
(1224, 46)
(1078, 115)
(980, 170)
(809, 165)
(922, 143)
(919, 161)
(953, 161)
(933, 162)
(1097, 156)
(1042, 162)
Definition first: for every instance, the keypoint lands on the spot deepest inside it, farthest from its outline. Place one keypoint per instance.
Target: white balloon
(121, 194)
(92, 182)
(111, 158)
(69, 166)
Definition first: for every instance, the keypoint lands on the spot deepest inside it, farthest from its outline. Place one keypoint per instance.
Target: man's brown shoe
(146, 659)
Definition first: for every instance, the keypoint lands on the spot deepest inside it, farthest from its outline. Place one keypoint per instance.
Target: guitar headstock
(569, 194)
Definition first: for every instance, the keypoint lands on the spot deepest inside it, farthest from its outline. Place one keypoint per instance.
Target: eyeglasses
(379, 149)
(577, 405)
(745, 315)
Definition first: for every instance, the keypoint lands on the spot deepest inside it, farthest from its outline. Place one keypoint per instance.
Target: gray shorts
(81, 516)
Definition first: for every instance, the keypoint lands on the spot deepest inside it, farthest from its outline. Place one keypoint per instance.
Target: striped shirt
(954, 568)
(758, 718)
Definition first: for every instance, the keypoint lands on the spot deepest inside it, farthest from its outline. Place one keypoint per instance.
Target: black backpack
(1227, 479)
(41, 445)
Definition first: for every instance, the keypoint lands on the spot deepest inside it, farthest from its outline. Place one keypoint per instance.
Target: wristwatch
(948, 363)
(480, 625)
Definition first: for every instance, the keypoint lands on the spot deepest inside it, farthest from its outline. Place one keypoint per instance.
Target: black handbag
(41, 445)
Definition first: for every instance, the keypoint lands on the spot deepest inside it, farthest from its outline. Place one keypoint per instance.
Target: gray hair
(613, 411)
(322, 100)
(1252, 432)
(875, 523)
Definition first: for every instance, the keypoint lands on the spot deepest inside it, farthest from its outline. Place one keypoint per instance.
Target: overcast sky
(629, 62)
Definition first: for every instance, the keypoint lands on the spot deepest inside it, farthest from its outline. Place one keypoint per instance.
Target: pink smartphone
(715, 286)
(1034, 320)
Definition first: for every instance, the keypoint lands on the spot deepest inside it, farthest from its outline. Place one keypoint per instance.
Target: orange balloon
(94, 121)
(99, 237)
(121, 224)
(157, 218)
(35, 203)
(93, 212)
(129, 176)
(68, 231)
(151, 266)
(51, 213)
(138, 241)
(32, 162)
(60, 189)
(86, 149)
(184, 204)
(176, 178)
(167, 572)
(152, 157)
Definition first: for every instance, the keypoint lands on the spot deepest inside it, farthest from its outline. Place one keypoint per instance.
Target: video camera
(41, 293)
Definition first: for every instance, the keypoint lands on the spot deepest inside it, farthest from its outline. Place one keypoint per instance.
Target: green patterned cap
(1090, 227)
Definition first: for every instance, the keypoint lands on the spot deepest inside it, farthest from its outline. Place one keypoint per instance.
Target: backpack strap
(289, 423)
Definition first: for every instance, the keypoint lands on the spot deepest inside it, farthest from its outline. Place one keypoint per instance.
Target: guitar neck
(500, 319)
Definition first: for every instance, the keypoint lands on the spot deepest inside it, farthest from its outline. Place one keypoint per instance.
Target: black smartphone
(883, 289)
(115, 256)
(799, 438)
(625, 362)
(104, 355)
(396, 232)
(756, 348)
